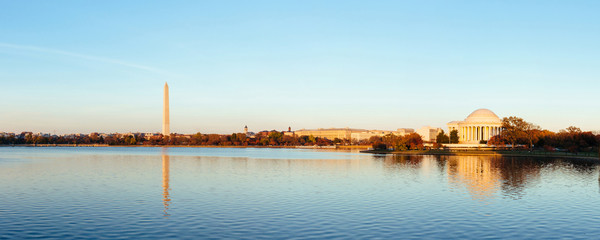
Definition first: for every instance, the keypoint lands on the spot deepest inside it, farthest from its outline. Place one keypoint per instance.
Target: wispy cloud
(84, 56)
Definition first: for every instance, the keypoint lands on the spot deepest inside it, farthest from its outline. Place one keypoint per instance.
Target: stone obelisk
(166, 131)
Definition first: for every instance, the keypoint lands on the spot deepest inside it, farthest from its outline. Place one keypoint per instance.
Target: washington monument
(165, 130)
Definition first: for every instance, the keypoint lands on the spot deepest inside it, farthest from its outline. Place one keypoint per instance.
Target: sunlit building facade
(429, 134)
(366, 135)
(480, 125)
(329, 133)
(359, 136)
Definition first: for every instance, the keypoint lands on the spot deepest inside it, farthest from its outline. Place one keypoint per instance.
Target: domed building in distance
(480, 125)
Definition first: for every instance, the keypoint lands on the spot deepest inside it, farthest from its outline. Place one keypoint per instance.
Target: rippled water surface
(291, 193)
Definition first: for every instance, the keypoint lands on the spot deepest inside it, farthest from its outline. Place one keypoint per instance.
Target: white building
(429, 134)
(368, 134)
(480, 125)
(404, 131)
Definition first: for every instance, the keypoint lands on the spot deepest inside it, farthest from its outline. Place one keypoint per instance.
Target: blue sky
(83, 66)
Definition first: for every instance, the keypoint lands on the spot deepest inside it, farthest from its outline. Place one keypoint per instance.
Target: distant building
(105, 135)
(23, 134)
(347, 133)
(147, 136)
(359, 136)
(41, 134)
(289, 132)
(248, 134)
(429, 134)
(4, 134)
(404, 131)
(329, 133)
(480, 125)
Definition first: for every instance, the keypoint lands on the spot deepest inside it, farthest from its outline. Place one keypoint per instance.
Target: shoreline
(484, 153)
(363, 148)
(343, 147)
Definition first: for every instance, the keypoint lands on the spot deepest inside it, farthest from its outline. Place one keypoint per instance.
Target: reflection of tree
(403, 161)
(583, 167)
(165, 181)
(516, 173)
(441, 161)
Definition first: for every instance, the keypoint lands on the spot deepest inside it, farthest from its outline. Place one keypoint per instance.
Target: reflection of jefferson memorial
(478, 174)
(482, 124)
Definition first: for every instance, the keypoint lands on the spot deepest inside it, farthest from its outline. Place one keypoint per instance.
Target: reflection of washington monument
(165, 158)
(165, 182)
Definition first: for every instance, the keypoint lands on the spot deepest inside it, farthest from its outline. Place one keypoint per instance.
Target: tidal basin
(249, 193)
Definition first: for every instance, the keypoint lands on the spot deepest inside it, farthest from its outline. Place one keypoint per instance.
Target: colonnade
(478, 133)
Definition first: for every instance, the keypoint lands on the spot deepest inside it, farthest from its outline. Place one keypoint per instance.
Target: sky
(100, 66)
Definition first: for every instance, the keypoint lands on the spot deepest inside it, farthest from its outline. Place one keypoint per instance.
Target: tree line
(518, 133)
(412, 141)
(270, 138)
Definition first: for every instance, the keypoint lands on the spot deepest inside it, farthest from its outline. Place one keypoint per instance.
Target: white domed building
(482, 124)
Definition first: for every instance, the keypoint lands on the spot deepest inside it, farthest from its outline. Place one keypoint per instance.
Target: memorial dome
(483, 115)
(482, 124)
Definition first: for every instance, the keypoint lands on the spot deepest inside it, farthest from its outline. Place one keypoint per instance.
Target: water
(200, 193)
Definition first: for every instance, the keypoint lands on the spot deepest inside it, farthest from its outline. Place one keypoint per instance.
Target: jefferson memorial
(482, 124)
